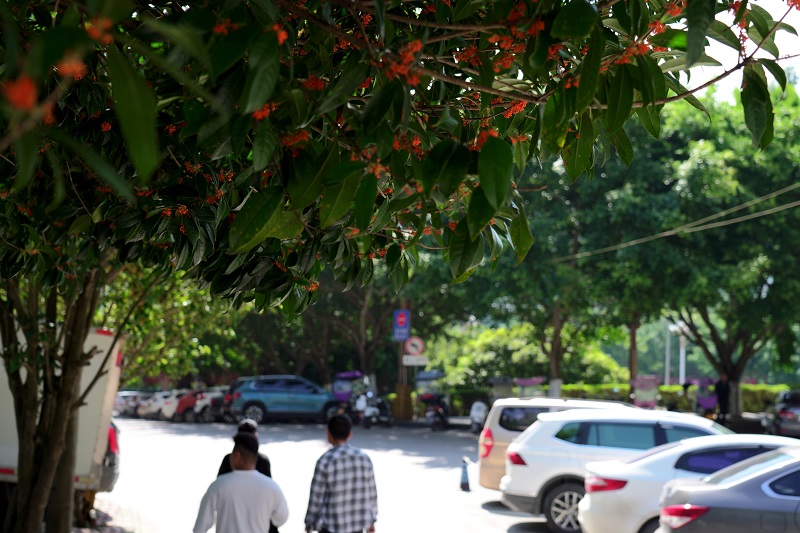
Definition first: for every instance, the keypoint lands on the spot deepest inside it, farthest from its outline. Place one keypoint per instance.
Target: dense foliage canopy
(257, 142)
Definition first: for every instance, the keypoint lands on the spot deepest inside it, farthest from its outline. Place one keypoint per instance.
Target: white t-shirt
(242, 501)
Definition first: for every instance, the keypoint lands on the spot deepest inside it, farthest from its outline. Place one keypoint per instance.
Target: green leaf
(184, 36)
(253, 222)
(379, 104)
(480, 212)
(98, 163)
(264, 143)
(337, 199)
(354, 72)
(650, 119)
(11, 37)
(655, 75)
(465, 8)
(464, 252)
(620, 101)
(262, 73)
(623, 145)
(520, 235)
(640, 16)
(27, 152)
(555, 122)
(721, 32)
(80, 225)
(765, 44)
(577, 156)
(496, 170)
(231, 48)
(445, 166)
(365, 201)
(757, 106)
(575, 20)
(699, 17)
(777, 72)
(306, 184)
(679, 89)
(590, 70)
(135, 106)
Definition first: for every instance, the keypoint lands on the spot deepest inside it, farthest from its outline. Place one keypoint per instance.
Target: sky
(787, 43)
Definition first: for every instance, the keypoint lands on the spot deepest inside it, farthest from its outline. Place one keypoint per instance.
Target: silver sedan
(757, 495)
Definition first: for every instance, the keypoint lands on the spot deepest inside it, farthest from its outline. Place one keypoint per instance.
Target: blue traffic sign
(401, 325)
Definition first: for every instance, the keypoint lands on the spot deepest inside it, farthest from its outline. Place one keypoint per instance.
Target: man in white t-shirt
(244, 500)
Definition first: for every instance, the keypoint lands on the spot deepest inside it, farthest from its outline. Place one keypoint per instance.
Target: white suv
(546, 464)
(511, 416)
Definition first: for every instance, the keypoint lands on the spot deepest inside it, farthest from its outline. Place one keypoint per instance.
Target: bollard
(464, 475)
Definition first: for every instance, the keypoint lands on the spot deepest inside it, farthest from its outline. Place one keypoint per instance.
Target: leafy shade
(256, 143)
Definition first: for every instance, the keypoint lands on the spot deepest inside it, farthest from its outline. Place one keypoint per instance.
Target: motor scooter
(377, 412)
(436, 416)
(477, 416)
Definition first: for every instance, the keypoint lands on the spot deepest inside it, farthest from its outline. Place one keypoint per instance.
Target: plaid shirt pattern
(343, 495)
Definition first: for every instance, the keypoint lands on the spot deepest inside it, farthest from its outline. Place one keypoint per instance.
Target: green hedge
(754, 397)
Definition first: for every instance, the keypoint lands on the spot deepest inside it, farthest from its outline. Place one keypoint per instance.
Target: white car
(202, 409)
(508, 418)
(170, 404)
(622, 495)
(545, 465)
(152, 408)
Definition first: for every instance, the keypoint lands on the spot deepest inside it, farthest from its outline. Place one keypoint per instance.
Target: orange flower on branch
(21, 93)
(223, 27)
(280, 33)
(481, 139)
(48, 113)
(470, 56)
(403, 65)
(98, 29)
(657, 27)
(71, 65)
(265, 111)
(514, 108)
(105, 126)
(313, 83)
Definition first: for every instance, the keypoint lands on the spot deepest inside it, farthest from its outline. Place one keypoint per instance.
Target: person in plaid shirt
(343, 495)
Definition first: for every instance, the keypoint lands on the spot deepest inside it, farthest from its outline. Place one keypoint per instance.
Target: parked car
(203, 409)
(281, 396)
(170, 404)
(761, 494)
(545, 465)
(783, 417)
(509, 417)
(622, 495)
(126, 402)
(184, 409)
(151, 408)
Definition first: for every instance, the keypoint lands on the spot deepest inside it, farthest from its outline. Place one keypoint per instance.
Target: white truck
(93, 469)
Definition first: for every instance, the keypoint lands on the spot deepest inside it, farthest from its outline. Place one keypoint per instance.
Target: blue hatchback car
(280, 396)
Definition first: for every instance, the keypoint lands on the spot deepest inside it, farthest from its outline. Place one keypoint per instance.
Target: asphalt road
(167, 467)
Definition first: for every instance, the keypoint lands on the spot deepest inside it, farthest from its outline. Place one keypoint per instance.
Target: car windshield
(719, 428)
(750, 467)
(651, 452)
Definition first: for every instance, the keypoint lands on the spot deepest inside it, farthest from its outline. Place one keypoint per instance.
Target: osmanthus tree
(256, 143)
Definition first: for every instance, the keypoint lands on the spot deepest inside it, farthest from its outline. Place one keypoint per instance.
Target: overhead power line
(697, 225)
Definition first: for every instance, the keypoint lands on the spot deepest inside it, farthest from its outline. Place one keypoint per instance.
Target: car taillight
(788, 415)
(516, 459)
(227, 398)
(676, 516)
(601, 484)
(486, 443)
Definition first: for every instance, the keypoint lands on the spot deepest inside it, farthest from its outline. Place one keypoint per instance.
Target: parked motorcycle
(377, 411)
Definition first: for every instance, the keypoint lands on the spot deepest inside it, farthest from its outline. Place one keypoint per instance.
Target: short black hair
(247, 445)
(340, 427)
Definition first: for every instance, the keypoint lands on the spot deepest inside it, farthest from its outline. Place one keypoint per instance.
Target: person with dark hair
(262, 465)
(343, 496)
(243, 500)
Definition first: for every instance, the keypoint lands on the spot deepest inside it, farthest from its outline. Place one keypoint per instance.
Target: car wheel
(650, 527)
(161, 416)
(188, 416)
(561, 508)
(205, 416)
(255, 412)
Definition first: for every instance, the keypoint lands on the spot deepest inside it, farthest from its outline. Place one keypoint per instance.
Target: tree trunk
(633, 356)
(735, 398)
(60, 509)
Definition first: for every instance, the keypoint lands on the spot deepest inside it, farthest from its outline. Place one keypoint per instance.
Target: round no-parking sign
(415, 346)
